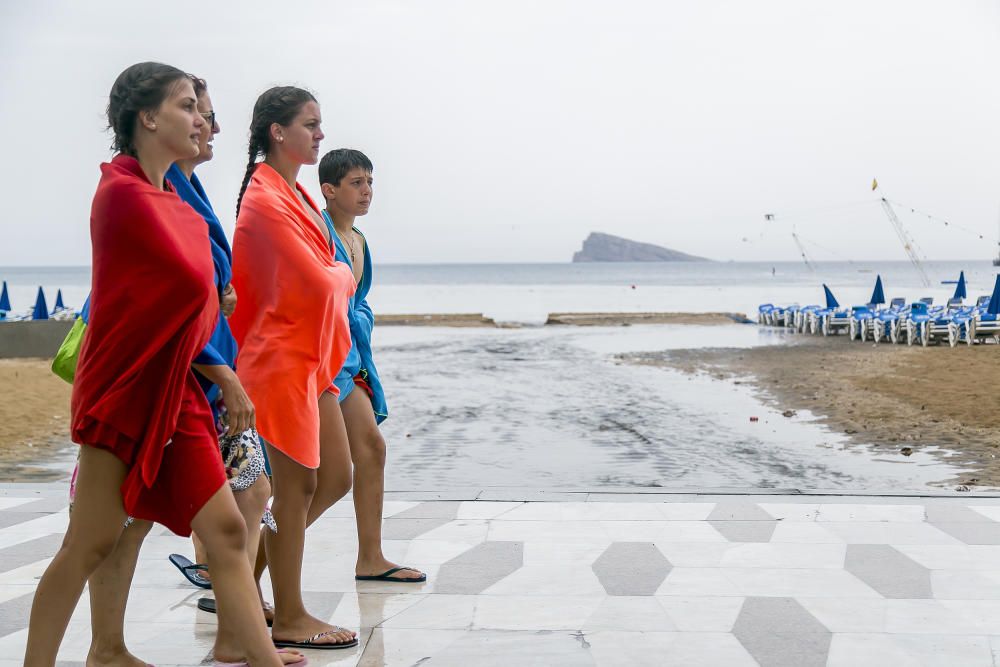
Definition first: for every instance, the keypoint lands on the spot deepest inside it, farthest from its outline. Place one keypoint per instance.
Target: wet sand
(899, 398)
(34, 421)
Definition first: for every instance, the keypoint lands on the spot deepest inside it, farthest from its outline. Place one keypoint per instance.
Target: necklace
(349, 245)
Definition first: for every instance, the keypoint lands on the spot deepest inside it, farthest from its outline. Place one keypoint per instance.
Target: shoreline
(582, 319)
(896, 399)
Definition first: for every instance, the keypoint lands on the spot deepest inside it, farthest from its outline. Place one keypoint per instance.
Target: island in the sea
(600, 247)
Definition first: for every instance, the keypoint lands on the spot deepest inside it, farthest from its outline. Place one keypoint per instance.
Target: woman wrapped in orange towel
(293, 335)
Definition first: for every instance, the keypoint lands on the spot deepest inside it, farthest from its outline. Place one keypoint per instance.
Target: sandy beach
(34, 419)
(896, 397)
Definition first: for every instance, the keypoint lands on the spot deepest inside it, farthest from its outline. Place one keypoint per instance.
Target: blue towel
(221, 348)
(359, 360)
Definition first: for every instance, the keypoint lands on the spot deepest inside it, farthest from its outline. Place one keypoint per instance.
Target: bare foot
(306, 627)
(118, 657)
(288, 657)
(378, 566)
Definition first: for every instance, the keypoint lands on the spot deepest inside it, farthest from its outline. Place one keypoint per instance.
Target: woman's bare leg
(300, 497)
(109, 586)
(94, 528)
(251, 503)
(368, 456)
(223, 532)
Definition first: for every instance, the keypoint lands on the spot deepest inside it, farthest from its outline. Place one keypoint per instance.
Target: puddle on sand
(550, 407)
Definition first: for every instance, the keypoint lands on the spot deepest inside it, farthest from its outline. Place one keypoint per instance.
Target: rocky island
(600, 247)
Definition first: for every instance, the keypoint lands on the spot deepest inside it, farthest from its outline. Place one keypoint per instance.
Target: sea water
(527, 293)
(554, 407)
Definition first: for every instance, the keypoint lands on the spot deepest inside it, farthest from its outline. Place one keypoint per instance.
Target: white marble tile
(568, 578)
(470, 531)
(518, 612)
(632, 614)
(989, 511)
(694, 581)
(436, 612)
(689, 531)
(485, 509)
(399, 646)
(421, 553)
(634, 531)
(804, 532)
(797, 583)
(928, 617)
(878, 650)
(12, 591)
(540, 553)
(584, 511)
(982, 614)
(965, 585)
(944, 556)
(791, 511)
(655, 649)
(848, 614)
(702, 613)
(547, 531)
(785, 555)
(357, 610)
(26, 575)
(7, 502)
(694, 554)
(854, 512)
(857, 532)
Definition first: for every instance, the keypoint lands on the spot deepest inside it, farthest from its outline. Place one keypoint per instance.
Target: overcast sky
(506, 131)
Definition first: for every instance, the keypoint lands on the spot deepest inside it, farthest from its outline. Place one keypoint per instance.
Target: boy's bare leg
(223, 532)
(368, 455)
(94, 528)
(109, 586)
(300, 497)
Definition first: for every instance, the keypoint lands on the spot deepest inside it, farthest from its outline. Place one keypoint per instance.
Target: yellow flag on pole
(874, 183)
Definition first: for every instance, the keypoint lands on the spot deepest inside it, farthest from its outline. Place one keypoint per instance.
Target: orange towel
(291, 315)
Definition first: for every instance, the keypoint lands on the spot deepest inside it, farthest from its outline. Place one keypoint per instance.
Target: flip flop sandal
(311, 642)
(208, 604)
(387, 576)
(191, 571)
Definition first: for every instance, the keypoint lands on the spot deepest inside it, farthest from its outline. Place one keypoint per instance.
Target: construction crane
(802, 251)
(904, 238)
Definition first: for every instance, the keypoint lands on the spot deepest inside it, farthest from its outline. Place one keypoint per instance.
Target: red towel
(153, 308)
(291, 320)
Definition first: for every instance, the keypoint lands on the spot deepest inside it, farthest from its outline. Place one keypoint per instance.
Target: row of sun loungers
(917, 323)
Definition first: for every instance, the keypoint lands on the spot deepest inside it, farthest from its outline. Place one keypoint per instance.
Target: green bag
(64, 365)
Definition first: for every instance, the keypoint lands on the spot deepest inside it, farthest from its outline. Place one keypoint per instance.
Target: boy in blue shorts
(345, 177)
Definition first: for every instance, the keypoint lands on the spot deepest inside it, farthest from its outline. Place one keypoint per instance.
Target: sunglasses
(209, 118)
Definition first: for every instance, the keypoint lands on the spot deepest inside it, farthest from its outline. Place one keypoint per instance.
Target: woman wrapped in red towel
(149, 447)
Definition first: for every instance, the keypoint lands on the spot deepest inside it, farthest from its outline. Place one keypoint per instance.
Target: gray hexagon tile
(889, 571)
(631, 568)
(780, 632)
(479, 568)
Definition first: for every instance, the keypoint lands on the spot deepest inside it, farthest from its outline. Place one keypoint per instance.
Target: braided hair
(141, 87)
(277, 105)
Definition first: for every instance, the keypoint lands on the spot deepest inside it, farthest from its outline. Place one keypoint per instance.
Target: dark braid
(141, 87)
(277, 105)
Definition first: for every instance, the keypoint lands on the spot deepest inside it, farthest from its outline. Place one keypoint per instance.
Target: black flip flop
(191, 571)
(208, 604)
(310, 643)
(387, 576)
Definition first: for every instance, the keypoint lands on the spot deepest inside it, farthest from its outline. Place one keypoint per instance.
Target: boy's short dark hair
(335, 165)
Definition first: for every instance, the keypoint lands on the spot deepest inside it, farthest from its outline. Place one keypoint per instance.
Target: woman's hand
(239, 407)
(228, 300)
